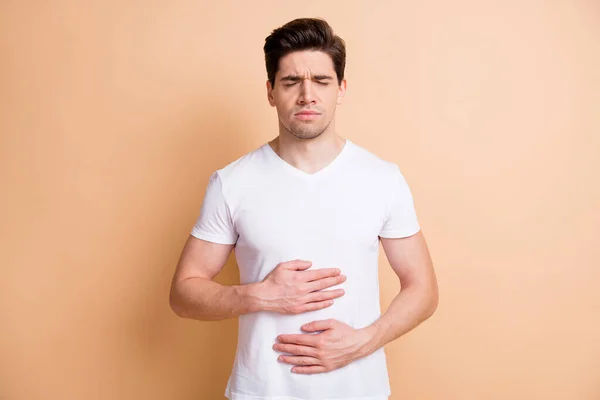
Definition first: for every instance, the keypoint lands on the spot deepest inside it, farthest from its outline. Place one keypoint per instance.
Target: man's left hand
(336, 346)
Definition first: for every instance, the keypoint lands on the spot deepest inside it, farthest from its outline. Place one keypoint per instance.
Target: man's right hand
(289, 289)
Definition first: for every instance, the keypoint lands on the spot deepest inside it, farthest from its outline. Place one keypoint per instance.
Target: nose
(306, 93)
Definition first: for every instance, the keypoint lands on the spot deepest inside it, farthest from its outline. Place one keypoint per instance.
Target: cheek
(331, 95)
(284, 106)
(330, 101)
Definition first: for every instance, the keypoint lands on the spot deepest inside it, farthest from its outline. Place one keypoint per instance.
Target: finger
(294, 360)
(319, 325)
(296, 350)
(315, 369)
(323, 283)
(298, 265)
(309, 276)
(302, 339)
(322, 295)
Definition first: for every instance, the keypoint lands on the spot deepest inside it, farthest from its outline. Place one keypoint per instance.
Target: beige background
(114, 114)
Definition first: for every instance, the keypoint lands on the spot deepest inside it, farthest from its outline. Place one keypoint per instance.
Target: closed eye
(319, 82)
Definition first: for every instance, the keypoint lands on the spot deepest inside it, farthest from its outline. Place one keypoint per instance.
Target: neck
(308, 155)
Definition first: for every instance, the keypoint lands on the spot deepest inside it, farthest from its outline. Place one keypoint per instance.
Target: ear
(270, 94)
(341, 91)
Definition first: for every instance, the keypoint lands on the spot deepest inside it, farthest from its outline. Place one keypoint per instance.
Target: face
(306, 93)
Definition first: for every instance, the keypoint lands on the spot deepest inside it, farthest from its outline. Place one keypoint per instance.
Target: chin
(302, 132)
(307, 135)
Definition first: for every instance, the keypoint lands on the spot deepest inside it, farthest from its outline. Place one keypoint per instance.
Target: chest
(344, 216)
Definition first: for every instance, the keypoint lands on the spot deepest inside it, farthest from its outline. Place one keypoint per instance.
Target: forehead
(307, 61)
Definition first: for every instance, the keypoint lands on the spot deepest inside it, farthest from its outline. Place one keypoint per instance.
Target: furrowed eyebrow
(322, 77)
(291, 78)
(296, 78)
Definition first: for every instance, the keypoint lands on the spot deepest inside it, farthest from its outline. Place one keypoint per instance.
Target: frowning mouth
(307, 115)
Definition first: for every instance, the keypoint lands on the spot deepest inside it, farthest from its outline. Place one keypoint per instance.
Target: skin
(291, 287)
(306, 80)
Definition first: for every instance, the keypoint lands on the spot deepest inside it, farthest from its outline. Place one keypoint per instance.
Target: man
(305, 213)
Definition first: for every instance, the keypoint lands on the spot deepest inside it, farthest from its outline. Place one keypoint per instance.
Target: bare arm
(338, 344)
(195, 295)
(418, 296)
(288, 288)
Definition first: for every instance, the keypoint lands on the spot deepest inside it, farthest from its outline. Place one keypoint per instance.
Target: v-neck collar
(305, 175)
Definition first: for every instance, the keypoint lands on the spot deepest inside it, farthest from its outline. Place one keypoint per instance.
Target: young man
(305, 213)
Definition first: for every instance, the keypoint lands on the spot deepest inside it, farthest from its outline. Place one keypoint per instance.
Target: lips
(307, 113)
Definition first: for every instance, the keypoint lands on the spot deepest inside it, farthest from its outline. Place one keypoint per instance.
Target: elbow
(425, 296)
(432, 307)
(176, 304)
(432, 301)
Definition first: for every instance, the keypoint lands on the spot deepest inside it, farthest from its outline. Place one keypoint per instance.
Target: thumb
(299, 265)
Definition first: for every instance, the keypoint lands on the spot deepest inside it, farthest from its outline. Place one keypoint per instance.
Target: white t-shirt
(274, 212)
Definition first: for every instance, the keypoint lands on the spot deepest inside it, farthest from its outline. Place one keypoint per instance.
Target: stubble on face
(304, 130)
(306, 81)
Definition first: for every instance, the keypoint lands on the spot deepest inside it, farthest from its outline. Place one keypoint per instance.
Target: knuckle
(298, 292)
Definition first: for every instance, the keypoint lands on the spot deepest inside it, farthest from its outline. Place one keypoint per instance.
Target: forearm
(408, 309)
(204, 299)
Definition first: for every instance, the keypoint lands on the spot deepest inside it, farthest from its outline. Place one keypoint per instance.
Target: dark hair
(304, 34)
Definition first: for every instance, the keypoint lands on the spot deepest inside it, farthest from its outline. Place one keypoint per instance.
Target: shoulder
(242, 170)
(375, 166)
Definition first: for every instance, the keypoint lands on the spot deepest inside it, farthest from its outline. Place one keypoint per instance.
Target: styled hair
(304, 34)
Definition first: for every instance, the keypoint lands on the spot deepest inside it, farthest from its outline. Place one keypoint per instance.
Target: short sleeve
(401, 217)
(214, 224)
